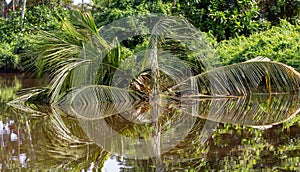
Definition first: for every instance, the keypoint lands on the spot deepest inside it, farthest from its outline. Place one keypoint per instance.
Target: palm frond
(185, 34)
(59, 52)
(53, 48)
(97, 101)
(61, 77)
(21, 102)
(252, 77)
(87, 24)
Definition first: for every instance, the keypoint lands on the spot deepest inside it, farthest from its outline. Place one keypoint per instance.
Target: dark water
(256, 133)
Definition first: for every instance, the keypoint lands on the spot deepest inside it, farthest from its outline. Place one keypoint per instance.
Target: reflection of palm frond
(22, 101)
(255, 110)
(98, 101)
(66, 144)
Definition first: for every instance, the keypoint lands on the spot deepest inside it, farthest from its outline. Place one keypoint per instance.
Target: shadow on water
(257, 132)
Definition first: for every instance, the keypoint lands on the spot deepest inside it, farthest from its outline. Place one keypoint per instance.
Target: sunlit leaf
(253, 77)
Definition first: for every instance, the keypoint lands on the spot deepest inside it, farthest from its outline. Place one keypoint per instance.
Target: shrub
(280, 43)
(224, 19)
(108, 11)
(16, 34)
(8, 59)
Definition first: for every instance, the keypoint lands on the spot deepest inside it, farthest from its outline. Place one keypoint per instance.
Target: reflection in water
(255, 110)
(13, 140)
(58, 141)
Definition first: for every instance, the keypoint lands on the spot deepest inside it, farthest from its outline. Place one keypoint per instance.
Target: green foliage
(43, 18)
(107, 11)
(16, 34)
(8, 60)
(38, 18)
(224, 19)
(281, 43)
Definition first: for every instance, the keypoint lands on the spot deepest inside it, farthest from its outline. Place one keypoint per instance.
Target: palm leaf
(86, 24)
(169, 29)
(53, 48)
(252, 77)
(61, 77)
(97, 101)
(22, 101)
(61, 51)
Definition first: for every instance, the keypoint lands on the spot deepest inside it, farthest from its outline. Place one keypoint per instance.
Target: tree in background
(222, 18)
(274, 10)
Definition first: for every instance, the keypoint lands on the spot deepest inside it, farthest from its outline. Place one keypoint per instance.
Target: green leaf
(248, 78)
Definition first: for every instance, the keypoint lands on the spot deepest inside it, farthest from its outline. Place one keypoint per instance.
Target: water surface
(254, 133)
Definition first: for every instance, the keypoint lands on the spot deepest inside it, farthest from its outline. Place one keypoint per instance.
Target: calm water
(260, 133)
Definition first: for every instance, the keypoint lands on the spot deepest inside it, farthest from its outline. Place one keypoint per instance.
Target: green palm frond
(61, 75)
(59, 52)
(86, 24)
(54, 48)
(251, 77)
(169, 29)
(22, 101)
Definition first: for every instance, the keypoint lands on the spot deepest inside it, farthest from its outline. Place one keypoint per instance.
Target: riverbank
(26, 80)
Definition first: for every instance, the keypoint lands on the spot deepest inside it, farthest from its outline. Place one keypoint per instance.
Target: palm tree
(92, 82)
(83, 48)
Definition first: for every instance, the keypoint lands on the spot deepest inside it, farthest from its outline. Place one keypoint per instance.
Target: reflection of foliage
(52, 142)
(232, 147)
(59, 142)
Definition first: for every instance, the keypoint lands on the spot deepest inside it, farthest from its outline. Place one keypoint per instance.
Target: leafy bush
(106, 12)
(224, 19)
(16, 34)
(43, 18)
(281, 43)
(8, 59)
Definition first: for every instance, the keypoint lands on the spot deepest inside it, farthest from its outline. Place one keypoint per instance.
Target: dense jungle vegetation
(238, 29)
(48, 37)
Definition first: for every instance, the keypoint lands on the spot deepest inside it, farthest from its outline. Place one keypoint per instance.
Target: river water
(265, 135)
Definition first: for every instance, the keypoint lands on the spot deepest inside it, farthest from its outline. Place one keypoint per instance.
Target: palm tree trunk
(3, 8)
(13, 5)
(23, 10)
